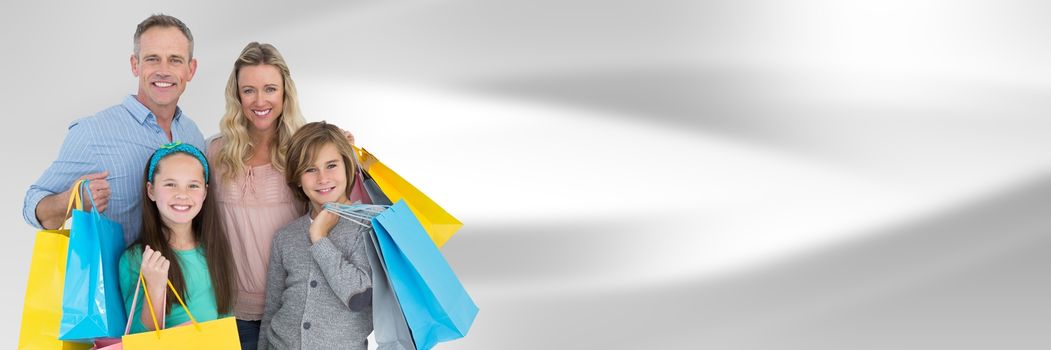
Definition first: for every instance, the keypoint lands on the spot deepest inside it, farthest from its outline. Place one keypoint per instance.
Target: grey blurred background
(644, 174)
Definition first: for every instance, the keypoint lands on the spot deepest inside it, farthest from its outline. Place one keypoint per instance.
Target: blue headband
(176, 147)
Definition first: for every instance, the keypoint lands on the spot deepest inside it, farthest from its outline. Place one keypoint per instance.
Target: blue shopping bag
(388, 321)
(390, 328)
(92, 306)
(435, 304)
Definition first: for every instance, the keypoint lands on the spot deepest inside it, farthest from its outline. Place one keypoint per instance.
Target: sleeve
(195, 137)
(347, 272)
(75, 159)
(130, 263)
(275, 286)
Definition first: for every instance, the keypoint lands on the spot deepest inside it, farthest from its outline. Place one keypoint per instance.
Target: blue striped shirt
(119, 139)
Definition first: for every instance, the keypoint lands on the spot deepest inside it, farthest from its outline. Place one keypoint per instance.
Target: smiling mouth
(180, 208)
(326, 190)
(163, 84)
(260, 113)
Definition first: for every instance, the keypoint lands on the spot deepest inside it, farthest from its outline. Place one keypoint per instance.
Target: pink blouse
(253, 207)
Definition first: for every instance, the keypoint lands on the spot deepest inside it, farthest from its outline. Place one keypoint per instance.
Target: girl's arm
(155, 271)
(347, 272)
(275, 285)
(130, 267)
(129, 278)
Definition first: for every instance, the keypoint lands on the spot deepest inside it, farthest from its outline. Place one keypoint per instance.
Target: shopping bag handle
(74, 197)
(153, 311)
(355, 212)
(365, 159)
(91, 197)
(134, 303)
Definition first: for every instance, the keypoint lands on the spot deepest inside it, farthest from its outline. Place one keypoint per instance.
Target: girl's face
(178, 188)
(262, 93)
(326, 179)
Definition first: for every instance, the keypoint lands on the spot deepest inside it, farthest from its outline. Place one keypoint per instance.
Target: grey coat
(318, 296)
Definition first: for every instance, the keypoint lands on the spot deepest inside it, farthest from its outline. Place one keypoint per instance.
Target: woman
(262, 113)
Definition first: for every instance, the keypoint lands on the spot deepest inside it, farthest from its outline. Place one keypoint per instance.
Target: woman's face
(262, 92)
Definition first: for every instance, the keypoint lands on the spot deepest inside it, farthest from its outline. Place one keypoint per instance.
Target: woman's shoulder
(213, 144)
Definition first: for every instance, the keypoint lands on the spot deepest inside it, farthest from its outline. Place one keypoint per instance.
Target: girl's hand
(154, 267)
(323, 223)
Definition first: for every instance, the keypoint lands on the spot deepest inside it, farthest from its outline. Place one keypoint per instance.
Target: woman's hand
(154, 268)
(323, 223)
(350, 137)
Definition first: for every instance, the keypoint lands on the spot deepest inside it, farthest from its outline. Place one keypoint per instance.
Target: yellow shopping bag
(42, 310)
(438, 223)
(218, 334)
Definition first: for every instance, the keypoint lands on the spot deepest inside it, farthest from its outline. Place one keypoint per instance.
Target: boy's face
(325, 180)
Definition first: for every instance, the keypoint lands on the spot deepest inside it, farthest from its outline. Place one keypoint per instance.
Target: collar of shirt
(143, 114)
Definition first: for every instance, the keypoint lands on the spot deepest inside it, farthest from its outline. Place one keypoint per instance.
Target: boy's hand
(323, 223)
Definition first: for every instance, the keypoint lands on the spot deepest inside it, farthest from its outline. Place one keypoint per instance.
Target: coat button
(306, 325)
(313, 284)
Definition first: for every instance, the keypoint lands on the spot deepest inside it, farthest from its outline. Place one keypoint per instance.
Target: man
(111, 148)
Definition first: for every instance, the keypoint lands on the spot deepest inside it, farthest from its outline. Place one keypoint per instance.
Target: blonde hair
(303, 150)
(237, 146)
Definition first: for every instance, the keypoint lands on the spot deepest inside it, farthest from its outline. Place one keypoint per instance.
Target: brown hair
(237, 146)
(209, 234)
(163, 21)
(303, 150)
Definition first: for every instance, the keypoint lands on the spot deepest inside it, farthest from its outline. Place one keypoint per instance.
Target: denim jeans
(248, 331)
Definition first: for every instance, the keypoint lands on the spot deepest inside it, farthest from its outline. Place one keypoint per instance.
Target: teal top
(199, 296)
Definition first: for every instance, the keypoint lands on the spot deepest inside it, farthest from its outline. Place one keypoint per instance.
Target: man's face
(163, 67)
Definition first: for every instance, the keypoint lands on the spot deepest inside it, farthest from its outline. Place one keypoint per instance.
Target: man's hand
(99, 189)
(52, 211)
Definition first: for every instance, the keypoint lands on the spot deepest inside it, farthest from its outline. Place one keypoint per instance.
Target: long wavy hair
(237, 146)
(209, 234)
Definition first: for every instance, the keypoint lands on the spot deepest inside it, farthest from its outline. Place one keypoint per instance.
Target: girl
(181, 241)
(318, 293)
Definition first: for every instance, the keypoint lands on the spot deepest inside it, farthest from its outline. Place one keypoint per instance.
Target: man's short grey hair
(163, 21)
